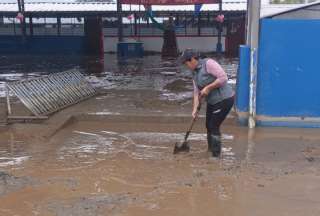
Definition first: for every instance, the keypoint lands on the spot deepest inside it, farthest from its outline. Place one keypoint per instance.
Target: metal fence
(46, 95)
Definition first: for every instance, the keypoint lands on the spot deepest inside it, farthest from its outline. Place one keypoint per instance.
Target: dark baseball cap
(186, 55)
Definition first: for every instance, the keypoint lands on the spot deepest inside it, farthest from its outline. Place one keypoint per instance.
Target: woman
(210, 82)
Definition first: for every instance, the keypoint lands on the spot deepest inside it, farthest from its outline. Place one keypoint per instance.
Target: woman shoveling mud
(209, 82)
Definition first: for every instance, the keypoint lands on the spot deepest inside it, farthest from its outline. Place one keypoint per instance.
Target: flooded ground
(151, 72)
(112, 154)
(127, 168)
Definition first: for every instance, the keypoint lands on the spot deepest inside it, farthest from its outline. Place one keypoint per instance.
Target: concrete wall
(203, 44)
(288, 73)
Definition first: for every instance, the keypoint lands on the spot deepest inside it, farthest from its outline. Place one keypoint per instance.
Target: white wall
(202, 44)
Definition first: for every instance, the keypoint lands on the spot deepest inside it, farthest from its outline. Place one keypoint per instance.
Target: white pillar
(253, 18)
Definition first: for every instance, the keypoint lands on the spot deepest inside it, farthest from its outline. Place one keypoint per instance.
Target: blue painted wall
(288, 82)
(42, 44)
(242, 86)
(243, 79)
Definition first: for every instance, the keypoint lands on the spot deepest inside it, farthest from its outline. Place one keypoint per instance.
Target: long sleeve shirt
(216, 70)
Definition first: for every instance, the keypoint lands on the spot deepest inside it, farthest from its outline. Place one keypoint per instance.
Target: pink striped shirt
(216, 70)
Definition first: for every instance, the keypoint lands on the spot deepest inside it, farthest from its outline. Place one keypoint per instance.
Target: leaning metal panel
(48, 94)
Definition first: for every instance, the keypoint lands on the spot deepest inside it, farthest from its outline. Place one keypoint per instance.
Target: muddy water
(89, 171)
(151, 72)
(127, 168)
(119, 168)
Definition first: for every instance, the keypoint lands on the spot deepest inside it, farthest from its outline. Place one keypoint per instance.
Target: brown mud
(114, 157)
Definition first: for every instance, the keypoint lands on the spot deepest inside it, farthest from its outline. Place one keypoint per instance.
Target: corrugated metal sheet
(101, 7)
(8, 7)
(58, 7)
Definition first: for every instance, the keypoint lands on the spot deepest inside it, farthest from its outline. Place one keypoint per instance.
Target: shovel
(184, 146)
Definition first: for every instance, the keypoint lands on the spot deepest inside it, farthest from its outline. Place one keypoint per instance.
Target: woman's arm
(217, 71)
(195, 100)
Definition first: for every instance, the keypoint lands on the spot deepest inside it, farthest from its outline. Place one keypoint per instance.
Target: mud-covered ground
(112, 155)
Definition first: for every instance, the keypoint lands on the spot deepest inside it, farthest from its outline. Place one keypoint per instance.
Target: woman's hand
(204, 92)
(194, 114)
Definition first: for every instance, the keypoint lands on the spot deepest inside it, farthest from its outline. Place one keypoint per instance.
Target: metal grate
(48, 94)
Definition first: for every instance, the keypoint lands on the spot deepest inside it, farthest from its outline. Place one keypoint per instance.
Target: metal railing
(48, 94)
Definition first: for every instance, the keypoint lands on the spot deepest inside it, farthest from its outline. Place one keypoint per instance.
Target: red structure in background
(94, 35)
(169, 2)
(235, 37)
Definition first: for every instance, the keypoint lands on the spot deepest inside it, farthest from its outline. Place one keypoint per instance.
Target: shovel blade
(181, 147)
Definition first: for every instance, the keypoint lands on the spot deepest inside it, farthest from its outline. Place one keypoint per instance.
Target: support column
(219, 44)
(23, 21)
(59, 25)
(185, 23)
(135, 25)
(177, 19)
(199, 24)
(14, 27)
(120, 27)
(253, 40)
(94, 36)
(31, 25)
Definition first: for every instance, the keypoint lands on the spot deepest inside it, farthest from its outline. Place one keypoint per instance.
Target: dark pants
(216, 114)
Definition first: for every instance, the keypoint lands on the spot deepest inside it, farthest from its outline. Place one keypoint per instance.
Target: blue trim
(292, 124)
(243, 80)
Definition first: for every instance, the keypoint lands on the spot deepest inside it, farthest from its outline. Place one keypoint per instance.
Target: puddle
(12, 152)
(89, 147)
(13, 161)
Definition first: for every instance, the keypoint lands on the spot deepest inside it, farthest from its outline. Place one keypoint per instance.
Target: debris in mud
(311, 154)
(10, 183)
(310, 159)
(189, 184)
(93, 206)
(69, 182)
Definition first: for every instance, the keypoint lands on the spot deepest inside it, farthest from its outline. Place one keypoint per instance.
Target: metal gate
(48, 94)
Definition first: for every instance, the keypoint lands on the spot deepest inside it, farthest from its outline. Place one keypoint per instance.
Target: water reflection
(25, 65)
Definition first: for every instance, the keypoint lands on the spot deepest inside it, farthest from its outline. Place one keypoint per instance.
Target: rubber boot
(214, 141)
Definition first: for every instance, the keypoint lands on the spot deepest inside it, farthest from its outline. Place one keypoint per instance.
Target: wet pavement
(112, 154)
